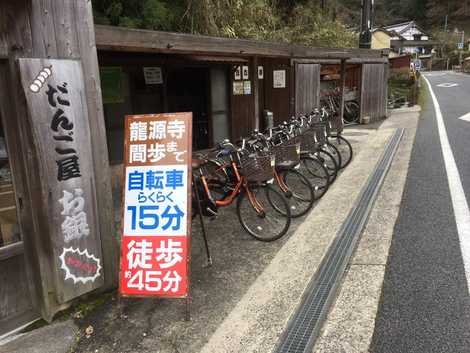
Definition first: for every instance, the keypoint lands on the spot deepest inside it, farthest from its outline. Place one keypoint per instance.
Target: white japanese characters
(142, 133)
(75, 224)
(140, 256)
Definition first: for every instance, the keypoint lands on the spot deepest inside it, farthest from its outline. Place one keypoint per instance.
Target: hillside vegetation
(295, 21)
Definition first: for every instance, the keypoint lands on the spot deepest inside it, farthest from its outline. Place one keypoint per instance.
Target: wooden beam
(351, 60)
(85, 36)
(138, 40)
(11, 250)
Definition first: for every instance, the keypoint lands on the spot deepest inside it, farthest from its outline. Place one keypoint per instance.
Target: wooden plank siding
(17, 277)
(374, 92)
(67, 243)
(14, 284)
(58, 29)
(16, 34)
(353, 76)
(307, 87)
(243, 114)
(277, 100)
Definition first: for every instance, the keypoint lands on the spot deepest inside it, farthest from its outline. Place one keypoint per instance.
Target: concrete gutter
(350, 324)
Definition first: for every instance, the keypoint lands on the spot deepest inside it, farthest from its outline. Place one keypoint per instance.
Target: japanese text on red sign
(154, 246)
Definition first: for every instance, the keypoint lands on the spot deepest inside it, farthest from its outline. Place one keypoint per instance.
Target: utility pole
(366, 24)
(461, 48)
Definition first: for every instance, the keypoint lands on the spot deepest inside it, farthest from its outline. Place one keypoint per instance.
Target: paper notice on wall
(245, 73)
(238, 73)
(279, 78)
(246, 87)
(238, 88)
(260, 72)
(153, 75)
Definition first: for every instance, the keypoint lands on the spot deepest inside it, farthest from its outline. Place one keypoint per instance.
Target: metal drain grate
(304, 326)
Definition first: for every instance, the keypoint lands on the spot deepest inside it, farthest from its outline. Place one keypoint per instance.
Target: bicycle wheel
(316, 173)
(331, 149)
(344, 148)
(270, 224)
(301, 196)
(351, 112)
(328, 161)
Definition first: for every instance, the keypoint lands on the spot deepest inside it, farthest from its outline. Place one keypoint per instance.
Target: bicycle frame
(240, 182)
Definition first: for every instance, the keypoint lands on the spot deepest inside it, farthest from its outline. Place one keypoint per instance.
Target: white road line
(465, 117)
(448, 85)
(459, 202)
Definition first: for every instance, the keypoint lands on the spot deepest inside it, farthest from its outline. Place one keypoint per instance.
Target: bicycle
(340, 142)
(295, 186)
(249, 177)
(314, 158)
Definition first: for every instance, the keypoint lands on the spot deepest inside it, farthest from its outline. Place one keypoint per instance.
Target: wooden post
(342, 88)
(254, 73)
(61, 29)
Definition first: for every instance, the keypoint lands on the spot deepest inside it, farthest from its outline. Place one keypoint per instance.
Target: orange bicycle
(235, 175)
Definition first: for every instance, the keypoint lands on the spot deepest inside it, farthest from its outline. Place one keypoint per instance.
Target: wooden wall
(16, 308)
(374, 92)
(307, 87)
(242, 106)
(353, 76)
(56, 29)
(277, 100)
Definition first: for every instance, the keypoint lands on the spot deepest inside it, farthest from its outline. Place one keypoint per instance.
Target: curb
(413, 109)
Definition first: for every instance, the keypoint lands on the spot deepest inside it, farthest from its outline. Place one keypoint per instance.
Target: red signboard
(157, 208)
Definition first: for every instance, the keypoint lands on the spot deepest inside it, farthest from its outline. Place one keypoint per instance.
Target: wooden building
(226, 83)
(53, 64)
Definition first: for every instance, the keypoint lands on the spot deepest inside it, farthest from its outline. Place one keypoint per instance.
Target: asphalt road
(425, 304)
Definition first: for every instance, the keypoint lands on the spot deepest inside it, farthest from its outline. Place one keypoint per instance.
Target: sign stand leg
(203, 227)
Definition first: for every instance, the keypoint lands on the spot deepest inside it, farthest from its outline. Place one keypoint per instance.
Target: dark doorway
(188, 91)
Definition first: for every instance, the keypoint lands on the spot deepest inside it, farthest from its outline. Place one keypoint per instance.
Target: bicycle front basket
(287, 154)
(258, 168)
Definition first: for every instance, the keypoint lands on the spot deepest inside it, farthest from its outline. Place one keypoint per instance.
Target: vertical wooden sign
(55, 95)
(157, 206)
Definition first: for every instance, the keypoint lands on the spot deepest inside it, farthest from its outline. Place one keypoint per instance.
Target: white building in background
(409, 38)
